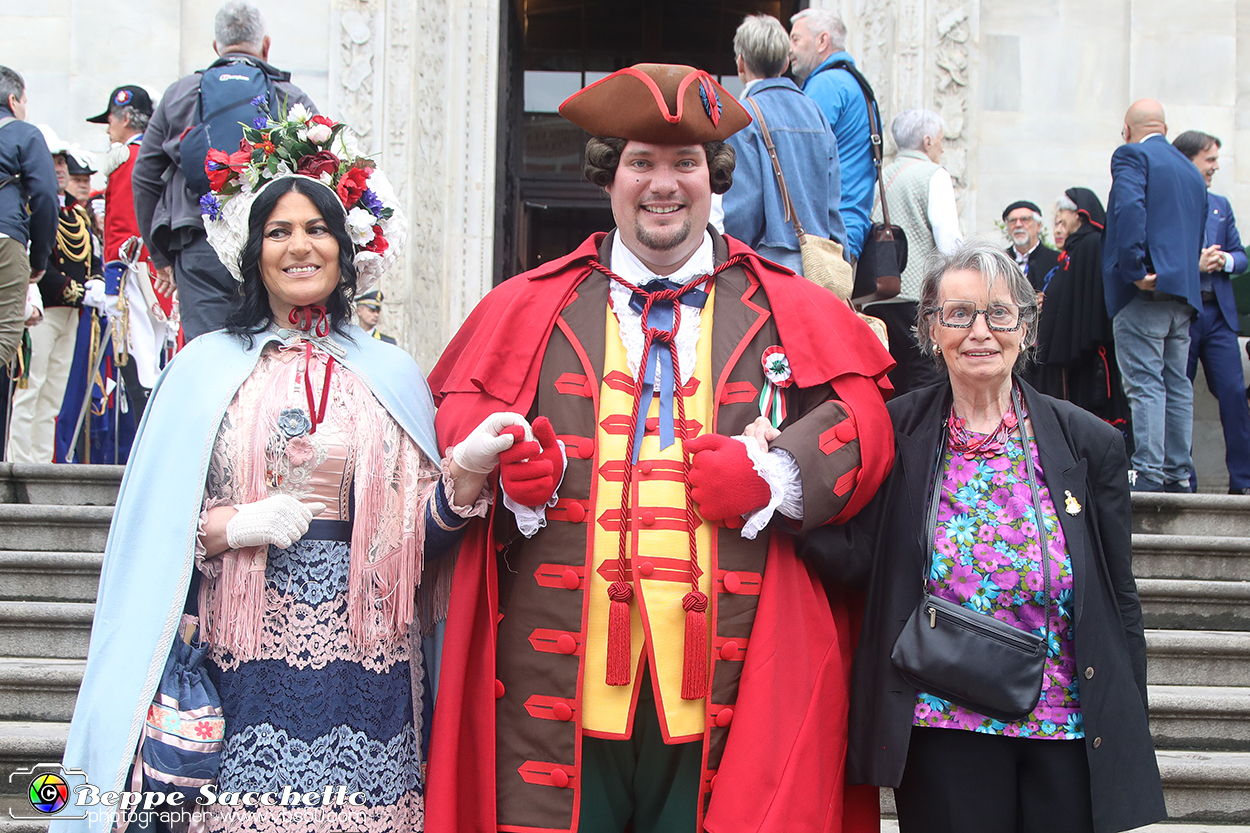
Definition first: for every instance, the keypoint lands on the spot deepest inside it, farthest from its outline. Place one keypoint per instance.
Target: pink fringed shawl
(393, 481)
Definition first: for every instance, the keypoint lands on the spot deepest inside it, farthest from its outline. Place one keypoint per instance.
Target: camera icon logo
(48, 792)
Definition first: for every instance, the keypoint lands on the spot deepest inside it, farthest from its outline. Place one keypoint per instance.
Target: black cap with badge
(130, 95)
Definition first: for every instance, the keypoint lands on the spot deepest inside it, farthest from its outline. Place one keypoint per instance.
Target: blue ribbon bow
(661, 317)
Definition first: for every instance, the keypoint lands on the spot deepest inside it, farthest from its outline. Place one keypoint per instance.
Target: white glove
(280, 520)
(479, 452)
(94, 294)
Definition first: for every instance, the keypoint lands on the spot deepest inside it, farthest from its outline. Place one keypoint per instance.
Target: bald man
(1156, 216)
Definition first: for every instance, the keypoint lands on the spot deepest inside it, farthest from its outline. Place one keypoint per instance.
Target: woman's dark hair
(251, 313)
(603, 154)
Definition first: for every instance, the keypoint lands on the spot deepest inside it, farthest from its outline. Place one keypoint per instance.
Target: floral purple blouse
(987, 558)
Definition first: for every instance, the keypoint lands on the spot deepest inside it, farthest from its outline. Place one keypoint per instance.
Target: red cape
(493, 364)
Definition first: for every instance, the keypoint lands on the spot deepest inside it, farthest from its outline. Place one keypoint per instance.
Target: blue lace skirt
(312, 712)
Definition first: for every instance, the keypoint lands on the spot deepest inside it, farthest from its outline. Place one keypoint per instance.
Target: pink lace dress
(315, 650)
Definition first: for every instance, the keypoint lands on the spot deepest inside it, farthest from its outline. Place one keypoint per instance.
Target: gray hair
(993, 264)
(239, 24)
(11, 84)
(762, 43)
(1064, 203)
(911, 126)
(135, 119)
(823, 20)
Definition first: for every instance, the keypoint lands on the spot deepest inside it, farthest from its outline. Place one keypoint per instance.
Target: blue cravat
(660, 317)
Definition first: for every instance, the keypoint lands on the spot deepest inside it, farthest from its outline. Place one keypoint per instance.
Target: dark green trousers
(642, 780)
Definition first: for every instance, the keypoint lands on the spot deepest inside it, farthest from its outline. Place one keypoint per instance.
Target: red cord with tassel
(621, 593)
(695, 661)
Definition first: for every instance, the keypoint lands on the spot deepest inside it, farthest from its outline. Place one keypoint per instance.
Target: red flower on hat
(352, 185)
(323, 120)
(316, 164)
(378, 244)
(220, 166)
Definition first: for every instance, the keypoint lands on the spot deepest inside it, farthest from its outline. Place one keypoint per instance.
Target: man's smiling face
(661, 201)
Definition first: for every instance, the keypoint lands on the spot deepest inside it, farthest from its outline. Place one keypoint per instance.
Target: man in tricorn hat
(632, 638)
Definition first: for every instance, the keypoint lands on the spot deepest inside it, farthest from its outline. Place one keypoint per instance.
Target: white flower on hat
(360, 224)
(298, 113)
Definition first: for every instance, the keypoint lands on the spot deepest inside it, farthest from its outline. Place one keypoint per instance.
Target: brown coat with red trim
(542, 579)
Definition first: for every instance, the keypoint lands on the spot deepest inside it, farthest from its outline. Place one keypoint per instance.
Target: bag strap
(935, 500)
(874, 127)
(791, 214)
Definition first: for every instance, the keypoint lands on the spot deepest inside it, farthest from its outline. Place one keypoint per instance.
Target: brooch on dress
(1070, 504)
(776, 377)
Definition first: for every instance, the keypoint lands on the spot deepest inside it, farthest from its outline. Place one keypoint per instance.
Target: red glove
(723, 481)
(531, 470)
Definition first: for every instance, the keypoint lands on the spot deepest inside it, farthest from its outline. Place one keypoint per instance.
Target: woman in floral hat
(286, 488)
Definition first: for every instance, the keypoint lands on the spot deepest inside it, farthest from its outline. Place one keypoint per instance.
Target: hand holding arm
(280, 520)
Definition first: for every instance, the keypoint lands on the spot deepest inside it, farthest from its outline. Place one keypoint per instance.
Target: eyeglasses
(1003, 318)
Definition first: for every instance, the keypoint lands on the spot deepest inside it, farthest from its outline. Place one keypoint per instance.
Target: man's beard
(1020, 237)
(662, 241)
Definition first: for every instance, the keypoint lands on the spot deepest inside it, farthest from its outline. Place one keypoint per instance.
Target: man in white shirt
(922, 201)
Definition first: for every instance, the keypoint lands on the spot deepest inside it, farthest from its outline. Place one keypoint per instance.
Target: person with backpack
(824, 70)
(203, 111)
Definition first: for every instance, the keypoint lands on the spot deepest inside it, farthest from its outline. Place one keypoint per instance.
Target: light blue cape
(151, 545)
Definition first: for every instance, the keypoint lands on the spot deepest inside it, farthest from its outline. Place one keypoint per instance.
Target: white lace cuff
(530, 519)
(210, 566)
(479, 506)
(781, 472)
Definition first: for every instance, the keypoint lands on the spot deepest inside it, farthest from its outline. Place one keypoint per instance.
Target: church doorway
(552, 48)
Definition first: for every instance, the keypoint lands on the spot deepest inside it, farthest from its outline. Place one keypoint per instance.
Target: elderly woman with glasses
(989, 476)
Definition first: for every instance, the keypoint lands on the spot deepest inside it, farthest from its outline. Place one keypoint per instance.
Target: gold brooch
(1070, 504)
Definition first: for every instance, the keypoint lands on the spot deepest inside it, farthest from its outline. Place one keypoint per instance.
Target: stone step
(49, 576)
(25, 744)
(1185, 514)
(1198, 658)
(1191, 604)
(63, 484)
(39, 689)
(1200, 717)
(1206, 557)
(52, 630)
(50, 528)
(1206, 786)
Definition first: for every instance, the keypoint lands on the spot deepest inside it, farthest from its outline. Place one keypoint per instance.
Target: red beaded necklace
(968, 444)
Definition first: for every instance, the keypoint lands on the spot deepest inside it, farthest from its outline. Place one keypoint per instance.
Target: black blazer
(883, 547)
(1041, 260)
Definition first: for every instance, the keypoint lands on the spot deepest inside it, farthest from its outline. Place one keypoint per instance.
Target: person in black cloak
(1076, 351)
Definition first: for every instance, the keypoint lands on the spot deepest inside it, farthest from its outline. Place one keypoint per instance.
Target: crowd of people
(648, 550)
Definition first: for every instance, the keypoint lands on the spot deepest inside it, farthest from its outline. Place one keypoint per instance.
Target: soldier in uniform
(74, 260)
(369, 312)
(633, 640)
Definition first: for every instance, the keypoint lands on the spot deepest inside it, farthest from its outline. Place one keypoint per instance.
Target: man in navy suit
(1156, 216)
(1213, 336)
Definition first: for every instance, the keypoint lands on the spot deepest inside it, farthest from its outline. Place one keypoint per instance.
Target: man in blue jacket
(28, 210)
(817, 42)
(1213, 336)
(1156, 216)
(806, 149)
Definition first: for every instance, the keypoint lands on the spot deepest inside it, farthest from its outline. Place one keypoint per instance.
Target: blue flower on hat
(210, 207)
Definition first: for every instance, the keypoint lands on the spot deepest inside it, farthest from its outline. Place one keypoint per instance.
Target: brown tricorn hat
(665, 104)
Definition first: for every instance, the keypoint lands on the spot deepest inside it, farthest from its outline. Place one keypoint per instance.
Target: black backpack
(227, 90)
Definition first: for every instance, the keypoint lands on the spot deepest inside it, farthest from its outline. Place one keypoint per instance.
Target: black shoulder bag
(878, 274)
(969, 658)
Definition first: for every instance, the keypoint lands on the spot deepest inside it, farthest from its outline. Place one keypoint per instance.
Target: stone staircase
(1191, 556)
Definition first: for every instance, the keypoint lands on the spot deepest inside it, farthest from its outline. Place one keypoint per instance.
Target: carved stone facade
(420, 77)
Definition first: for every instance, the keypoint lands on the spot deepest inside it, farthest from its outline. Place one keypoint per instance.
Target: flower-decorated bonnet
(312, 147)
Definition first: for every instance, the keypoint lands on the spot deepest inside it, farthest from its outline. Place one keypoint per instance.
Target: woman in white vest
(922, 202)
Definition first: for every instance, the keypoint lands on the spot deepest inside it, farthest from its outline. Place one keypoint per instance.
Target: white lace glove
(479, 452)
(280, 520)
(94, 294)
